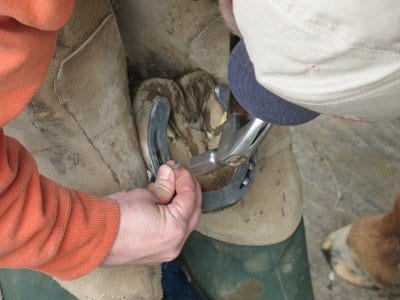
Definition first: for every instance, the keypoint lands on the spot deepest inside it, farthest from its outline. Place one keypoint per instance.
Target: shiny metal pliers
(241, 135)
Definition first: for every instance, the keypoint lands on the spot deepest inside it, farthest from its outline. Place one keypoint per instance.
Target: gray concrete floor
(348, 170)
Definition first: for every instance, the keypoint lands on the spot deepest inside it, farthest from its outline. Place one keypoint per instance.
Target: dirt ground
(348, 170)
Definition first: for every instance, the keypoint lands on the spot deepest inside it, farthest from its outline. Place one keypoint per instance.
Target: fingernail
(164, 173)
(173, 164)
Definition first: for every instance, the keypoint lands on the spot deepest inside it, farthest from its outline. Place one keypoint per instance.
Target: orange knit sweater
(43, 226)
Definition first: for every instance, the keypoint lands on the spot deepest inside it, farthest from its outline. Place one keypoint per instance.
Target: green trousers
(230, 272)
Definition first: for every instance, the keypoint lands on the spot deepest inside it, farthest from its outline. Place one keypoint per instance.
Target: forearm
(47, 227)
(27, 40)
(43, 226)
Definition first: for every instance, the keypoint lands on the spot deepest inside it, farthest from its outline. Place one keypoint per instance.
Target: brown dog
(367, 252)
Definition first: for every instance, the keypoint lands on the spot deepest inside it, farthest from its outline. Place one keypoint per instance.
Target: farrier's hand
(156, 221)
(226, 8)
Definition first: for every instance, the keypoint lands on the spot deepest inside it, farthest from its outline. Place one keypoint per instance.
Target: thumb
(164, 186)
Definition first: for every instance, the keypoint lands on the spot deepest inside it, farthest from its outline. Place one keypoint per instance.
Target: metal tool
(157, 143)
(240, 137)
(238, 144)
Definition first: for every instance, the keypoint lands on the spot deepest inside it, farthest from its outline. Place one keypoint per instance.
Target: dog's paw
(343, 260)
(367, 252)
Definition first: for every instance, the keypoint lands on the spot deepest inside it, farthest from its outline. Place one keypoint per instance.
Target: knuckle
(159, 189)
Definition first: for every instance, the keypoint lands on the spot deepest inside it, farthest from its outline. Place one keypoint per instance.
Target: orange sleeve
(43, 226)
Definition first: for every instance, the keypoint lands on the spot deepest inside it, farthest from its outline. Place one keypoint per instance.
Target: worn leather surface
(271, 210)
(170, 38)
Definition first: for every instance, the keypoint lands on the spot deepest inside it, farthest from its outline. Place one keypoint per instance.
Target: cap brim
(257, 100)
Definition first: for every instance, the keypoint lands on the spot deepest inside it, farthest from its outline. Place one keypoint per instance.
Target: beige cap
(339, 57)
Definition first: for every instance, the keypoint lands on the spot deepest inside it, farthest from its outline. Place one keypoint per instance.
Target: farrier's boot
(255, 249)
(80, 129)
